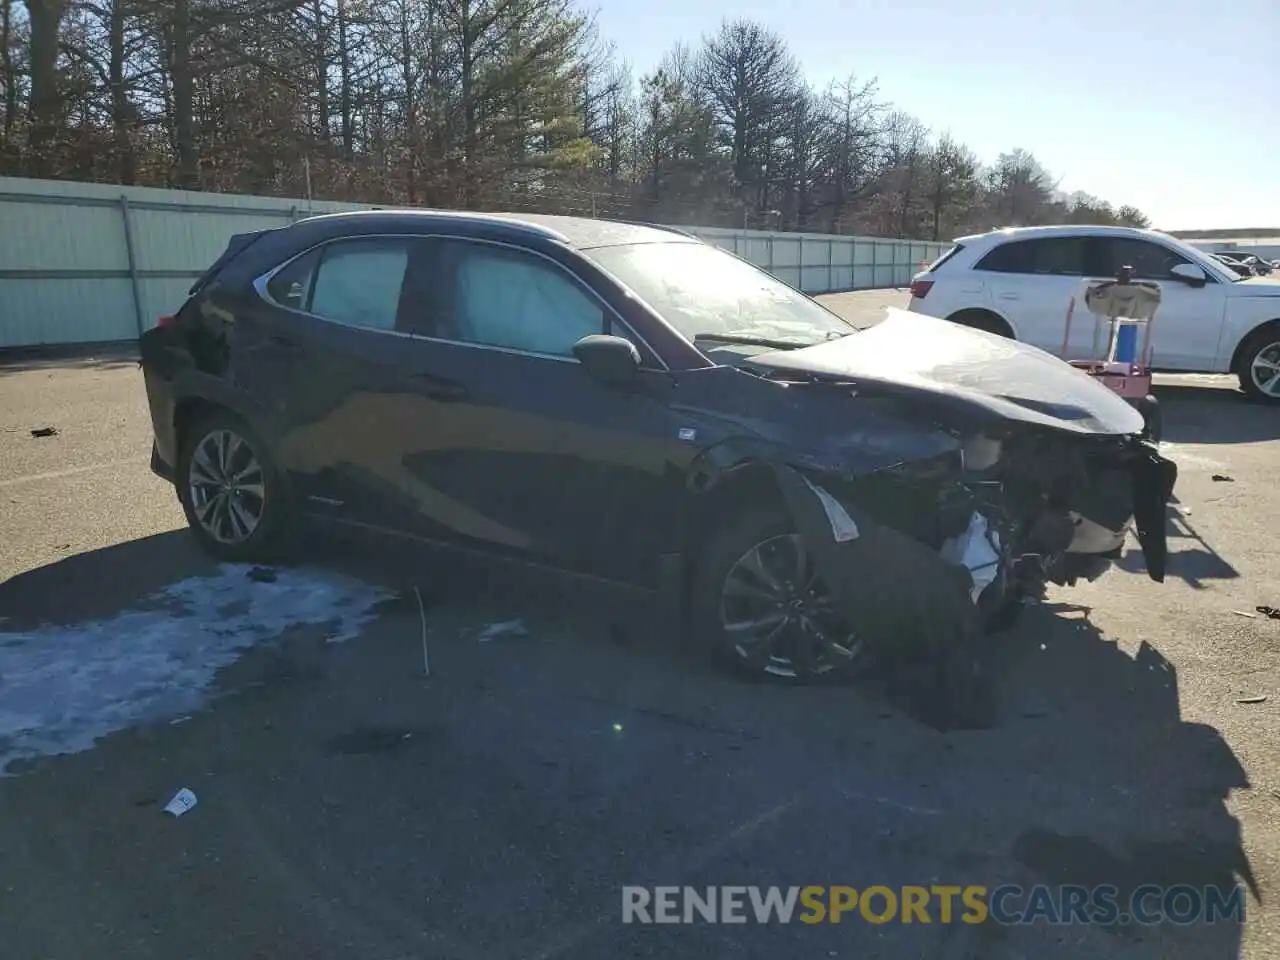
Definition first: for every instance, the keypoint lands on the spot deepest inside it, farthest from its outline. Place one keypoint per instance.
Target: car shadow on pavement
(1196, 413)
(97, 583)
(87, 357)
(351, 804)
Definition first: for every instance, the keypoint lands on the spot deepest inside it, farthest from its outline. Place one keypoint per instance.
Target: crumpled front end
(979, 531)
(924, 558)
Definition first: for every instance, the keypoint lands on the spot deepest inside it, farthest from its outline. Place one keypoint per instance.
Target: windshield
(704, 293)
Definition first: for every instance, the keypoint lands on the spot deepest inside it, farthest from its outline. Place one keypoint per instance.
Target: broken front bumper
(1153, 481)
(866, 562)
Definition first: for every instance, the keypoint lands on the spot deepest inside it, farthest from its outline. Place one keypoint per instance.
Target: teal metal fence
(92, 262)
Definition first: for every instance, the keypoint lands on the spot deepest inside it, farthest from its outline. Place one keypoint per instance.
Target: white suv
(1019, 283)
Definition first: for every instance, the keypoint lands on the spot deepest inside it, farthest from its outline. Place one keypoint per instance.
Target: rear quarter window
(1045, 256)
(933, 267)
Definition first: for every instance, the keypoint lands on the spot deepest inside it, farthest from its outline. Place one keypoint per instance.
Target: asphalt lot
(351, 806)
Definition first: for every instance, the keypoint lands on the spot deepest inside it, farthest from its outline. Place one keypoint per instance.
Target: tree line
(487, 104)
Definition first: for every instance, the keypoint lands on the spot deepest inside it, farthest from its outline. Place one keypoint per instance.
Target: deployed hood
(958, 367)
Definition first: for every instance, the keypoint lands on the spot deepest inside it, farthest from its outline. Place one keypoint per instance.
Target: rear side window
(291, 287)
(1048, 256)
(356, 282)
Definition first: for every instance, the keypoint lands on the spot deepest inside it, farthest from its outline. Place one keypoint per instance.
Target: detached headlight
(979, 452)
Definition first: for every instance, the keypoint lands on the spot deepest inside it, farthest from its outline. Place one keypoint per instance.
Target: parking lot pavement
(349, 805)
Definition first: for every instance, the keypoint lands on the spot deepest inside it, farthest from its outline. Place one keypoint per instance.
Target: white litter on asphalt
(63, 687)
(182, 801)
(508, 628)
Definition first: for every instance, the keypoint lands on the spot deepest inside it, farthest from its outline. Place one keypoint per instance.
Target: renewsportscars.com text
(1007, 904)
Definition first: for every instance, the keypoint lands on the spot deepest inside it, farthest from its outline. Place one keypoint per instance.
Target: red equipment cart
(1125, 309)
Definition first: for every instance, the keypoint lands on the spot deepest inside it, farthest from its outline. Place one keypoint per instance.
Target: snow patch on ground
(63, 687)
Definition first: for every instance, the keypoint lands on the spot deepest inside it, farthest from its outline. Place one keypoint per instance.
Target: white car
(1019, 283)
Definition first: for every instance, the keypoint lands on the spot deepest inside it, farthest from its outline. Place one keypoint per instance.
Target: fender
(1232, 345)
(879, 436)
(191, 384)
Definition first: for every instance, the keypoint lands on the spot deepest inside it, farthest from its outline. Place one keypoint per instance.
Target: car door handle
(437, 388)
(1008, 296)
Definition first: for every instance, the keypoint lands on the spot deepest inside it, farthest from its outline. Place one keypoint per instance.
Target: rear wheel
(230, 490)
(1259, 365)
(762, 605)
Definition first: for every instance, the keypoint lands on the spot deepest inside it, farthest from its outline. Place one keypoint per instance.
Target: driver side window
(1150, 261)
(506, 298)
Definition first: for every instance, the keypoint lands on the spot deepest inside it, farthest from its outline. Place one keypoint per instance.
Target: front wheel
(1259, 366)
(230, 490)
(762, 605)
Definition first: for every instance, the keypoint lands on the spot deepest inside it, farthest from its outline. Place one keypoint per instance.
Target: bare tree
(11, 43)
(750, 80)
(45, 17)
(951, 184)
(483, 103)
(852, 111)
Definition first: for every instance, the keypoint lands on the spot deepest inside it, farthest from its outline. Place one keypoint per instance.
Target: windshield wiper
(751, 341)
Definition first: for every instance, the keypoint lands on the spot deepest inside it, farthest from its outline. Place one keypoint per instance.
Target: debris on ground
(1245, 613)
(177, 720)
(363, 740)
(1258, 699)
(182, 801)
(1270, 612)
(44, 432)
(1223, 478)
(422, 619)
(262, 575)
(508, 628)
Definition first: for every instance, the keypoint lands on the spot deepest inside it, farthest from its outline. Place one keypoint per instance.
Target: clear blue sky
(1189, 132)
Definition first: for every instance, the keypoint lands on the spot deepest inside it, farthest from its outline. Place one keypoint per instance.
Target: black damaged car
(626, 402)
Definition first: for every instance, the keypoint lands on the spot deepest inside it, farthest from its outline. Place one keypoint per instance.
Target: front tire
(231, 491)
(759, 604)
(1259, 365)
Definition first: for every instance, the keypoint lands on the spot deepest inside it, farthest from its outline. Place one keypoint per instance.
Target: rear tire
(1262, 347)
(983, 320)
(234, 497)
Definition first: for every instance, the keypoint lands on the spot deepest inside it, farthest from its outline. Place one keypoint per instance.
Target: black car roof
(582, 233)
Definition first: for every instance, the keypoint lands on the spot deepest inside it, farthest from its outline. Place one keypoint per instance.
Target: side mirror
(611, 360)
(1189, 274)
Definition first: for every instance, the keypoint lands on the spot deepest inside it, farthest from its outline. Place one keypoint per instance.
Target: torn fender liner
(1153, 480)
(842, 526)
(890, 588)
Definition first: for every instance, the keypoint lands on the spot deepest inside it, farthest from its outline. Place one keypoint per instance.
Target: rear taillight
(920, 288)
(166, 320)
